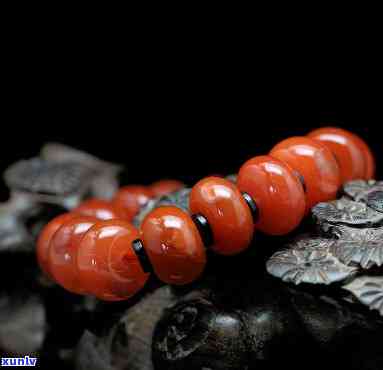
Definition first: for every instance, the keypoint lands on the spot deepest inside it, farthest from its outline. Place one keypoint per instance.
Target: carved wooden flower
(310, 261)
(361, 246)
(358, 190)
(369, 291)
(347, 212)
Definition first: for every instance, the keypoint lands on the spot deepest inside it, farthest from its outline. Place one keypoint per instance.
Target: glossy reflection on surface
(173, 245)
(131, 198)
(277, 192)
(45, 237)
(347, 150)
(101, 209)
(107, 264)
(63, 250)
(315, 162)
(229, 217)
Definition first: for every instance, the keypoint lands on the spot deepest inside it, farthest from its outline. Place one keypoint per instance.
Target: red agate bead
(131, 198)
(63, 249)
(164, 187)
(228, 214)
(315, 163)
(354, 157)
(173, 245)
(368, 157)
(107, 264)
(101, 209)
(45, 237)
(277, 192)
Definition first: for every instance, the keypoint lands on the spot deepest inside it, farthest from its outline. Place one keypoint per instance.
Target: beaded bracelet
(95, 249)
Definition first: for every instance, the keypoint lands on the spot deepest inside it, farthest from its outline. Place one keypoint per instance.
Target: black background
(179, 122)
(183, 99)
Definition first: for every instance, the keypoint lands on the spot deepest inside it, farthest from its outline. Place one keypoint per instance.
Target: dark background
(171, 137)
(169, 107)
(185, 98)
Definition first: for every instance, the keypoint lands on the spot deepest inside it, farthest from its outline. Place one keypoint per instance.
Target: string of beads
(95, 249)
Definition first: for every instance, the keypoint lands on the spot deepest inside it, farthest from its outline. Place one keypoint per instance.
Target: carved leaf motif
(60, 153)
(310, 261)
(358, 190)
(361, 246)
(369, 291)
(346, 212)
(375, 200)
(308, 242)
(39, 176)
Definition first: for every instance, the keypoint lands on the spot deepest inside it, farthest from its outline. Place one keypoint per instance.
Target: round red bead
(173, 245)
(164, 187)
(228, 214)
(63, 249)
(369, 158)
(101, 209)
(45, 237)
(131, 198)
(277, 192)
(315, 163)
(353, 158)
(107, 264)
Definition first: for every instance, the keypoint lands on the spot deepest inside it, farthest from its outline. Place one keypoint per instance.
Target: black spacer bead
(204, 229)
(138, 247)
(252, 205)
(301, 179)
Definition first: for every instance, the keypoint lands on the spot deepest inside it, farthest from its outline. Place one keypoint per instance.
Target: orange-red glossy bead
(317, 165)
(173, 245)
(164, 187)
(45, 237)
(131, 198)
(101, 209)
(228, 214)
(369, 158)
(354, 157)
(277, 192)
(106, 262)
(63, 249)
